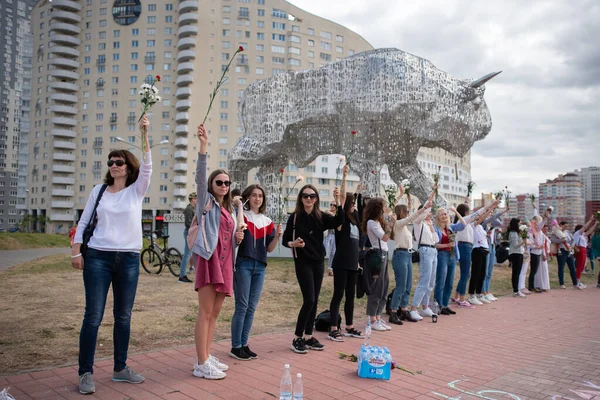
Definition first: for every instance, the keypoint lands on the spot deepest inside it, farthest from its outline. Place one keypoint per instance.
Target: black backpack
(501, 254)
(322, 322)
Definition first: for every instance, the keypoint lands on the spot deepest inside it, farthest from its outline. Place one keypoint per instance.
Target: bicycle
(154, 258)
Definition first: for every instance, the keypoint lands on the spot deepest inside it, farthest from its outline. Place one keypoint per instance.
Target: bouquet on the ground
(507, 194)
(470, 186)
(407, 187)
(283, 199)
(150, 97)
(220, 82)
(390, 193)
(498, 195)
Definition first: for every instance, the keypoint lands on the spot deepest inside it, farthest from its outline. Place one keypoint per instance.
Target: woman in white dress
(542, 278)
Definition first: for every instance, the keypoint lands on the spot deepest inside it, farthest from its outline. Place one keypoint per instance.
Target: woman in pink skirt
(213, 250)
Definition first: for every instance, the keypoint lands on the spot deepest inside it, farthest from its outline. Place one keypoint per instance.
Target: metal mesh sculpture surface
(395, 101)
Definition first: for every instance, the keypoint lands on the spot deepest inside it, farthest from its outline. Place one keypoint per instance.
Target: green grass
(21, 241)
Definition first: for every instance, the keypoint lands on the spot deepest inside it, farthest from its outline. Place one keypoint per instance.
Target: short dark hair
(133, 167)
(248, 191)
(563, 223)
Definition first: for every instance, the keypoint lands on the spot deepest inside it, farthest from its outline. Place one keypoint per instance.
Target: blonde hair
(537, 219)
(438, 217)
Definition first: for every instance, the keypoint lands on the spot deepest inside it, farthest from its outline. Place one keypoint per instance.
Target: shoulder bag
(415, 253)
(88, 232)
(194, 227)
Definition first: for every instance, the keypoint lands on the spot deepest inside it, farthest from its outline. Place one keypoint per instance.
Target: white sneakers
(473, 300)
(415, 315)
(379, 325)
(483, 299)
(426, 312)
(519, 294)
(490, 297)
(211, 369)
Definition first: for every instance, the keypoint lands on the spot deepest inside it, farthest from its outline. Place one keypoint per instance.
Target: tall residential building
(16, 42)
(92, 57)
(520, 206)
(590, 177)
(567, 195)
(484, 200)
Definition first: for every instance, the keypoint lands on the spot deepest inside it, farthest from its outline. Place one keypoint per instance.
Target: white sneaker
(473, 300)
(426, 312)
(581, 285)
(483, 299)
(377, 326)
(215, 361)
(491, 297)
(386, 326)
(519, 294)
(415, 315)
(208, 371)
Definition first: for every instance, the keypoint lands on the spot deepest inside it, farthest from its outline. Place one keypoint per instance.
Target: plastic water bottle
(285, 387)
(368, 333)
(298, 389)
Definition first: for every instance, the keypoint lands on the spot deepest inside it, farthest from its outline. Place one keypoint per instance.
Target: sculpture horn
(481, 81)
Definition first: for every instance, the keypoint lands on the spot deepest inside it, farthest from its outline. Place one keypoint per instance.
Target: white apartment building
(92, 56)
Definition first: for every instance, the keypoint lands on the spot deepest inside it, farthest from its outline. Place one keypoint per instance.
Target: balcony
(181, 154)
(63, 192)
(63, 157)
(57, 180)
(180, 180)
(62, 74)
(183, 105)
(184, 80)
(62, 204)
(66, 86)
(185, 68)
(64, 51)
(63, 110)
(65, 16)
(63, 133)
(64, 62)
(186, 43)
(67, 5)
(61, 144)
(61, 217)
(183, 92)
(186, 55)
(63, 98)
(65, 169)
(65, 28)
(188, 5)
(180, 167)
(182, 117)
(180, 192)
(187, 30)
(181, 142)
(67, 40)
(181, 130)
(64, 121)
(179, 205)
(188, 18)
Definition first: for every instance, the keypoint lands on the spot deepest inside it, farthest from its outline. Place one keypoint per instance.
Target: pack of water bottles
(286, 389)
(374, 362)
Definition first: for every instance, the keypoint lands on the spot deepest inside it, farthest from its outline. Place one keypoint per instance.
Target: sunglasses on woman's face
(221, 183)
(311, 196)
(119, 163)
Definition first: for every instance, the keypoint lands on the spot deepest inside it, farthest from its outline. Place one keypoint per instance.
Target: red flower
(282, 171)
(241, 48)
(354, 132)
(158, 78)
(373, 171)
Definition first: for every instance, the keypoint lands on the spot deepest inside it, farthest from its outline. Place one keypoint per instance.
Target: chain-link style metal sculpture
(395, 101)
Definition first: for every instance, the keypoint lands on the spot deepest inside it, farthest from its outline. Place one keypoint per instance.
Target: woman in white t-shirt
(113, 257)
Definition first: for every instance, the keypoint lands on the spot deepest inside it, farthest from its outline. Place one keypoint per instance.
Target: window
(152, 20)
(150, 43)
(279, 14)
(326, 46)
(279, 25)
(169, 7)
(326, 35)
(135, 32)
(278, 60)
(295, 28)
(151, 7)
(278, 49)
(260, 47)
(294, 62)
(259, 60)
(325, 57)
(311, 43)
(339, 49)
(169, 19)
(260, 36)
(260, 71)
(339, 38)
(295, 39)
(277, 36)
(311, 31)
(261, 13)
(260, 24)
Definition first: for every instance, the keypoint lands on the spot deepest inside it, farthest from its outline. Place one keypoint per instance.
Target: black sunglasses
(221, 183)
(119, 163)
(309, 196)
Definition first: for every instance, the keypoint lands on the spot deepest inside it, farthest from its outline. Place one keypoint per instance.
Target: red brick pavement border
(542, 347)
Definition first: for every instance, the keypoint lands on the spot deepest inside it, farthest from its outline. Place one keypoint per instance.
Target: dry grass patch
(43, 304)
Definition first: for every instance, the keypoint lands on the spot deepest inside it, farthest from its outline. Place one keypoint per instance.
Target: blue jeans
(187, 253)
(563, 257)
(329, 243)
(248, 280)
(444, 281)
(427, 272)
(101, 268)
(402, 264)
(465, 249)
(489, 270)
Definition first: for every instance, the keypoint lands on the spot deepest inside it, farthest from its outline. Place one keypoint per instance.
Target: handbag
(194, 227)
(375, 259)
(88, 232)
(415, 253)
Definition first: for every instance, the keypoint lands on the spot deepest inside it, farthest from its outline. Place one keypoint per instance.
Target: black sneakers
(239, 354)
(405, 316)
(185, 279)
(447, 311)
(252, 354)
(299, 346)
(314, 344)
(395, 319)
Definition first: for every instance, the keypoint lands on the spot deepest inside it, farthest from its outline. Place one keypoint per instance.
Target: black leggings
(534, 264)
(516, 261)
(478, 267)
(343, 281)
(310, 278)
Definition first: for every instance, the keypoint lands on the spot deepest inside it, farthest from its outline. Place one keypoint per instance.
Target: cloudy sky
(544, 105)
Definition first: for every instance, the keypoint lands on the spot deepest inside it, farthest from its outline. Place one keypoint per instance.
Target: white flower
(523, 227)
(405, 182)
(158, 98)
(154, 89)
(145, 86)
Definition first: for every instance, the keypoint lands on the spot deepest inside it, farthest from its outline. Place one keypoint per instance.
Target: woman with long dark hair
(378, 232)
(304, 235)
(113, 257)
(515, 254)
(214, 252)
(260, 238)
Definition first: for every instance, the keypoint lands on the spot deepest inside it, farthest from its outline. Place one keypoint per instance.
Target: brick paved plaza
(543, 347)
